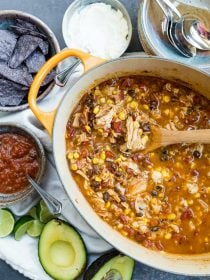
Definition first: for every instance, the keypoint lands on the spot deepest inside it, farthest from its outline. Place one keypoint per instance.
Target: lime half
(7, 222)
(35, 229)
(21, 226)
(33, 213)
(43, 213)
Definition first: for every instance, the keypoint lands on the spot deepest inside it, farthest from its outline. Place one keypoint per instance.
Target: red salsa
(18, 157)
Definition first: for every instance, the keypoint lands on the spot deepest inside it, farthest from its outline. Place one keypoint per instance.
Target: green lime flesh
(21, 226)
(7, 222)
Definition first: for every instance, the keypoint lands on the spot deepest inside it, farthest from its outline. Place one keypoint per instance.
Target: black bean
(154, 229)
(112, 166)
(146, 127)
(153, 104)
(122, 198)
(140, 214)
(95, 185)
(164, 156)
(132, 93)
(118, 174)
(154, 193)
(90, 101)
(106, 196)
(159, 188)
(197, 154)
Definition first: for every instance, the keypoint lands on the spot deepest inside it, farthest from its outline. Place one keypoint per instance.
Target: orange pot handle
(47, 118)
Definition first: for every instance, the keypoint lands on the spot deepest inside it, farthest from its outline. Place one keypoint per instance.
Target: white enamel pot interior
(199, 81)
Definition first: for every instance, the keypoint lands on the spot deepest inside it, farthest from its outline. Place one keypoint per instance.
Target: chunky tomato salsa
(18, 157)
(159, 199)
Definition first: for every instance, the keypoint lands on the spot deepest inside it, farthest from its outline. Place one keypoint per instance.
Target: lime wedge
(43, 213)
(33, 213)
(35, 229)
(7, 222)
(21, 226)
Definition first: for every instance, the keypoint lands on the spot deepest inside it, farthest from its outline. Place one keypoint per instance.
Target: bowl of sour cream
(101, 28)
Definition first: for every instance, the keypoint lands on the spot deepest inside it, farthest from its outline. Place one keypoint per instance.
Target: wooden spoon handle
(188, 136)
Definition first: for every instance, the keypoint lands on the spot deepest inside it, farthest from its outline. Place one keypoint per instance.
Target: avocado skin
(98, 264)
(60, 222)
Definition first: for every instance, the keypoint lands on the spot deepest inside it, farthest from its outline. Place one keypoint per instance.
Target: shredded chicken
(105, 116)
(76, 120)
(134, 140)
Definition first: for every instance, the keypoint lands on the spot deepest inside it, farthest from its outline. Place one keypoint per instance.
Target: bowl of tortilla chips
(26, 43)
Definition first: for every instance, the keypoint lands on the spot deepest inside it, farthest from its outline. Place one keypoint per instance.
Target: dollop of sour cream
(99, 30)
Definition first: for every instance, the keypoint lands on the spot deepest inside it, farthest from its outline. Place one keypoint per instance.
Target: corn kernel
(166, 112)
(120, 226)
(88, 128)
(128, 99)
(118, 160)
(95, 160)
(197, 195)
(206, 239)
(122, 157)
(122, 116)
(124, 232)
(168, 236)
(76, 155)
(109, 102)
(134, 104)
(100, 131)
(108, 204)
(74, 167)
(166, 98)
(208, 190)
(102, 100)
(146, 107)
(103, 155)
(114, 92)
(70, 155)
(132, 214)
(127, 211)
(97, 92)
(171, 216)
(107, 148)
(98, 179)
(96, 110)
(190, 202)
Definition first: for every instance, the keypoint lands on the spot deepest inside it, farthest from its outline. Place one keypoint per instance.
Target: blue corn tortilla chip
(19, 75)
(7, 44)
(44, 47)
(21, 27)
(35, 61)
(25, 24)
(50, 77)
(26, 44)
(11, 94)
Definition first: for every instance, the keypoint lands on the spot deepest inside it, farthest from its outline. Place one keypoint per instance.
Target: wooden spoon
(161, 137)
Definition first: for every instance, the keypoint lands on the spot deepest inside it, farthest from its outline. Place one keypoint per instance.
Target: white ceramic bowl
(79, 4)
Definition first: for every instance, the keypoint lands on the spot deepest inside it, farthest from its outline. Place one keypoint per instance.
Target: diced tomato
(187, 214)
(109, 154)
(117, 126)
(123, 219)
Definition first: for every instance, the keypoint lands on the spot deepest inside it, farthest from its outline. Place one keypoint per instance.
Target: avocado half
(111, 266)
(62, 252)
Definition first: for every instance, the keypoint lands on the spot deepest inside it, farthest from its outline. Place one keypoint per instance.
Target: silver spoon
(180, 44)
(197, 34)
(62, 78)
(54, 206)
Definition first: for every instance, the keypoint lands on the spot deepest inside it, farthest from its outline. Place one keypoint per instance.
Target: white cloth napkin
(22, 255)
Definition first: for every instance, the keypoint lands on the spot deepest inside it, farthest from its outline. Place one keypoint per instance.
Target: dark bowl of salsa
(21, 153)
